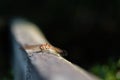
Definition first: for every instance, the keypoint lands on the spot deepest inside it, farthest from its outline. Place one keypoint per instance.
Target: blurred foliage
(9, 76)
(109, 71)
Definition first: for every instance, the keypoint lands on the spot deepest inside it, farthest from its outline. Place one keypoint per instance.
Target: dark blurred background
(87, 29)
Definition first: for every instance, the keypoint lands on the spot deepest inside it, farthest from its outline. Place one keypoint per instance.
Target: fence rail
(32, 63)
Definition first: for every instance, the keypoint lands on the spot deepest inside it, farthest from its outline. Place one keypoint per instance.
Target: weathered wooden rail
(43, 65)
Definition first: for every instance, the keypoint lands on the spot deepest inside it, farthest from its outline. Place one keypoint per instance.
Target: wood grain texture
(45, 65)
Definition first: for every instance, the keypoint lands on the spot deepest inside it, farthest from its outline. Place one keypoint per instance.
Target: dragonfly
(44, 47)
